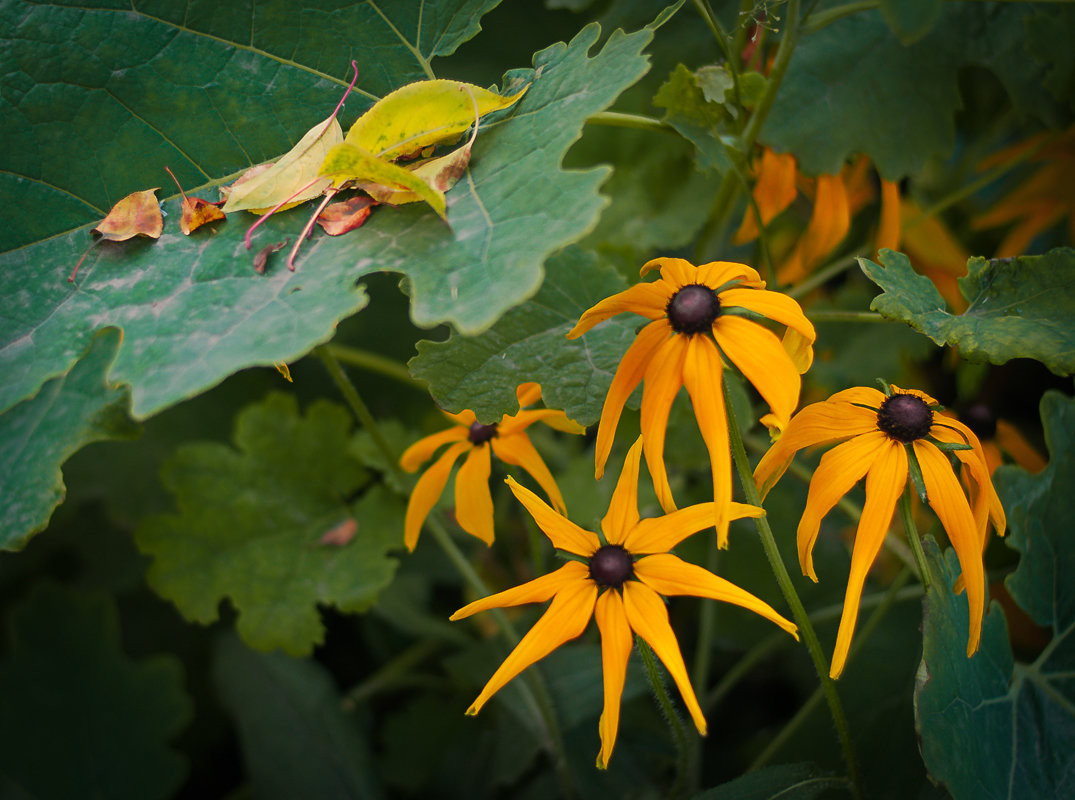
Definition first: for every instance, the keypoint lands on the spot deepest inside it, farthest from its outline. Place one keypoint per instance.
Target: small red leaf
(341, 534)
(339, 218)
(263, 255)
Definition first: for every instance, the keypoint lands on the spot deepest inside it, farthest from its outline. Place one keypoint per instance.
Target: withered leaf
(137, 214)
(346, 162)
(195, 211)
(263, 255)
(339, 218)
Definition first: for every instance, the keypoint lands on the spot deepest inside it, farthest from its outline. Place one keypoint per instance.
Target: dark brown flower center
(905, 417)
(980, 419)
(480, 434)
(611, 566)
(693, 308)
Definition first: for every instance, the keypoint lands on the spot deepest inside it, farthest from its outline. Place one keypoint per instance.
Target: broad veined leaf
(39, 434)
(785, 781)
(422, 114)
(193, 310)
(348, 162)
(528, 344)
(251, 521)
(295, 178)
(1017, 307)
(993, 727)
(69, 692)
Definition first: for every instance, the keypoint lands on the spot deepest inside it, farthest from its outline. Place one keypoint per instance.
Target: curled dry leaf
(292, 179)
(282, 367)
(195, 211)
(137, 214)
(263, 254)
(339, 218)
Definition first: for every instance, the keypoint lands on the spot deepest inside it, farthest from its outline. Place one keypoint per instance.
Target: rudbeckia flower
(699, 317)
(619, 579)
(881, 435)
(507, 439)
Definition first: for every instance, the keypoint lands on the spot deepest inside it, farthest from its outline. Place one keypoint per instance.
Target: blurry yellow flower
(507, 438)
(881, 435)
(1039, 202)
(619, 580)
(701, 315)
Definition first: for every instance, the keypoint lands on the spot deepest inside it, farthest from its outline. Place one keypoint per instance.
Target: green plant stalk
(820, 277)
(619, 119)
(822, 19)
(802, 619)
(534, 687)
(844, 316)
(911, 531)
(706, 625)
(390, 673)
(675, 723)
(889, 599)
(374, 362)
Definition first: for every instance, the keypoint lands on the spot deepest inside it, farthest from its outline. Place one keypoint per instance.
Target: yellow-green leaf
(298, 168)
(346, 162)
(423, 113)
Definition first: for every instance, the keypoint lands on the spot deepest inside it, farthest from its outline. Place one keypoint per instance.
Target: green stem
(802, 619)
(776, 76)
(390, 672)
(822, 19)
(675, 723)
(534, 688)
(820, 277)
(911, 531)
(618, 119)
(374, 362)
(706, 625)
(845, 316)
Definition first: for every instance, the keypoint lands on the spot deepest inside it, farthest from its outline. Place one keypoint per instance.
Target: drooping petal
(829, 223)
(647, 299)
(473, 502)
(527, 393)
(675, 272)
(1015, 444)
(566, 618)
(616, 644)
(888, 231)
(464, 418)
(549, 416)
(703, 373)
(839, 470)
(774, 305)
(663, 380)
(628, 375)
(987, 507)
(948, 502)
(661, 534)
(717, 273)
(773, 192)
(819, 423)
(760, 356)
(563, 533)
(519, 450)
(427, 491)
(648, 617)
(670, 575)
(622, 514)
(422, 450)
(884, 484)
(536, 591)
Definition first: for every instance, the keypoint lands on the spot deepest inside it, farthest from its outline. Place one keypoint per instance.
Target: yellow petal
(663, 380)
(528, 393)
(473, 503)
(675, 272)
(549, 416)
(427, 491)
(567, 617)
(648, 616)
(839, 470)
(862, 395)
(628, 375)
(948, 502)
(422, 450)
(517, 449)
(888, 231)
(829, 223)
(622, 512)
(1015, 444)
(774, 305)
(647, 299)
(670, 576)
(616, 644)
(773, 192)
(986, 505)
(702, 375)
(661, 534)
(717, 273)
(536, 591)
(762, 359)
(562, 532)
(884, 484)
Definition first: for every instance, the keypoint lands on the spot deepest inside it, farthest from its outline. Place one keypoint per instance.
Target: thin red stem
(329, 194)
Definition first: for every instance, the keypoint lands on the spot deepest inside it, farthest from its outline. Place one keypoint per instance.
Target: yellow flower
(881, 432)
(620, 582)
(699, 315)
(507, 438)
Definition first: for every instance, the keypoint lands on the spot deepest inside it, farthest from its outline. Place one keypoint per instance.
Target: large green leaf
(992, 727)
(297, 741)
(80, 718)
(192, 308)
(38, 435)
(251, 522)
(785, 781)
(528, 344)
(1018, 307)
(852, 87)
